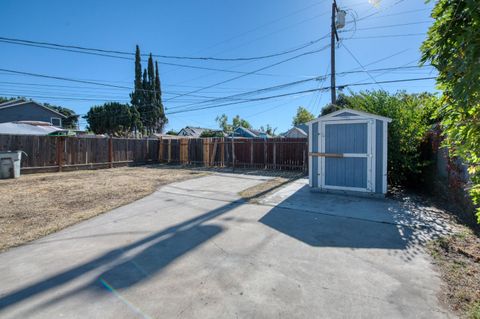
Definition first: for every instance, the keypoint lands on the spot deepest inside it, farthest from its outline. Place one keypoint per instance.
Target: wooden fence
(54, 153)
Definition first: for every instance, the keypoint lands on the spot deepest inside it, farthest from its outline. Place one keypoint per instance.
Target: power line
(387, 26)
(299, 92)
(250, 73)
(283, 95)
(263, 90)
(360, 64)
(387, 36)
(276, 87)
(101, 52)
(64, 79)
(132, 59)
(83, 89)
(210, 99)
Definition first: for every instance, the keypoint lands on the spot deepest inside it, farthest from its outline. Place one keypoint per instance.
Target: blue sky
(384, 36)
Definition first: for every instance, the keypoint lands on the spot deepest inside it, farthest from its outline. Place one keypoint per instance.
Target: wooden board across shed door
(349, 155)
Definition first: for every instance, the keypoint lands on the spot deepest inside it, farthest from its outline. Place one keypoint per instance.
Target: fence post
(233, 155)
(251, 153)
(169, 151)
(305, 162)
(160, 149)
(60, 152)
(110, 152)
(222, 150)
(265, 153)
(274, 155)
(206, 152)
(214, 152)
(184, 150)
(147, 153)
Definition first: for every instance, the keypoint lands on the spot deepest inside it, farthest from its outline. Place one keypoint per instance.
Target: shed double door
(349, 159)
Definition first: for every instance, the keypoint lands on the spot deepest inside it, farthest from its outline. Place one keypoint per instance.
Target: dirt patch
(254, 194)
(458, 260)
(36, 205)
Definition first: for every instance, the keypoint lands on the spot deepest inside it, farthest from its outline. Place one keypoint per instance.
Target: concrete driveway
(194, 249)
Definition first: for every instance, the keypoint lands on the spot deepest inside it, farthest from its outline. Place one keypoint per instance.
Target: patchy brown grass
(36, 205)
(458, 259)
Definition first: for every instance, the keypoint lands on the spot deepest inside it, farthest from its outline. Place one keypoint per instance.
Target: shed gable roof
(349, 114)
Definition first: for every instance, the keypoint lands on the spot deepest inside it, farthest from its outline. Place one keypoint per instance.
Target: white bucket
(10, 164)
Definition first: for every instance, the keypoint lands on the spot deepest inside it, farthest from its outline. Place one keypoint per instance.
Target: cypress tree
(143, 109)
(151, 73)
(158, 90)
(136, 95)
(162, 119)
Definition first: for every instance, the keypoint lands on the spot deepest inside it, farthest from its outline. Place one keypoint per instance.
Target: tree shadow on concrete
(329, 220)
(134, 263)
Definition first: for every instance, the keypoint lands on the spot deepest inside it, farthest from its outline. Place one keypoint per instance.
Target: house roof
(252, 132)
(22, 102)
(298, 129)
(195, 131)
(351, 114)
(22, 128)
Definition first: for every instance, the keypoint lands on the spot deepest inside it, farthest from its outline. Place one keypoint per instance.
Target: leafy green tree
(222, 121)
(453, 48)
(212, 133)
(237, 121)
(172, 132)
(342, 102)
(269, 130)
(113, 118)
(303, 116)
(6, 99)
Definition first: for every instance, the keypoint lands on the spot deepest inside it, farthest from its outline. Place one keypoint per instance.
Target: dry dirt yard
(458, 260)
(39, 204)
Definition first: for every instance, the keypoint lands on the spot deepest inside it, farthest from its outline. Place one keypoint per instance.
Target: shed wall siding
(346, 138)
(379, 157)
(346, 172)
(315, 159)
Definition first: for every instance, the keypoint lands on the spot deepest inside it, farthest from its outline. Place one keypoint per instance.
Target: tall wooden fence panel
(59, 153)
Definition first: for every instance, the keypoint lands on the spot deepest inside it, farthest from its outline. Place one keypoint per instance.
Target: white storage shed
(348, 152)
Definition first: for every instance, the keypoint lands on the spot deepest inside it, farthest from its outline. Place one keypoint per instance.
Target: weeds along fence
(57, 153)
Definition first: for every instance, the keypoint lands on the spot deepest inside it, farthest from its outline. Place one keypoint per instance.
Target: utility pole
(338, 22)
(332, 54)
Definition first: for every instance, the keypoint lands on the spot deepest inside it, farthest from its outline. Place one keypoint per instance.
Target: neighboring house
(20, 110)
(191, 131)
(299, 131)
(249, 133)
(28, 128)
